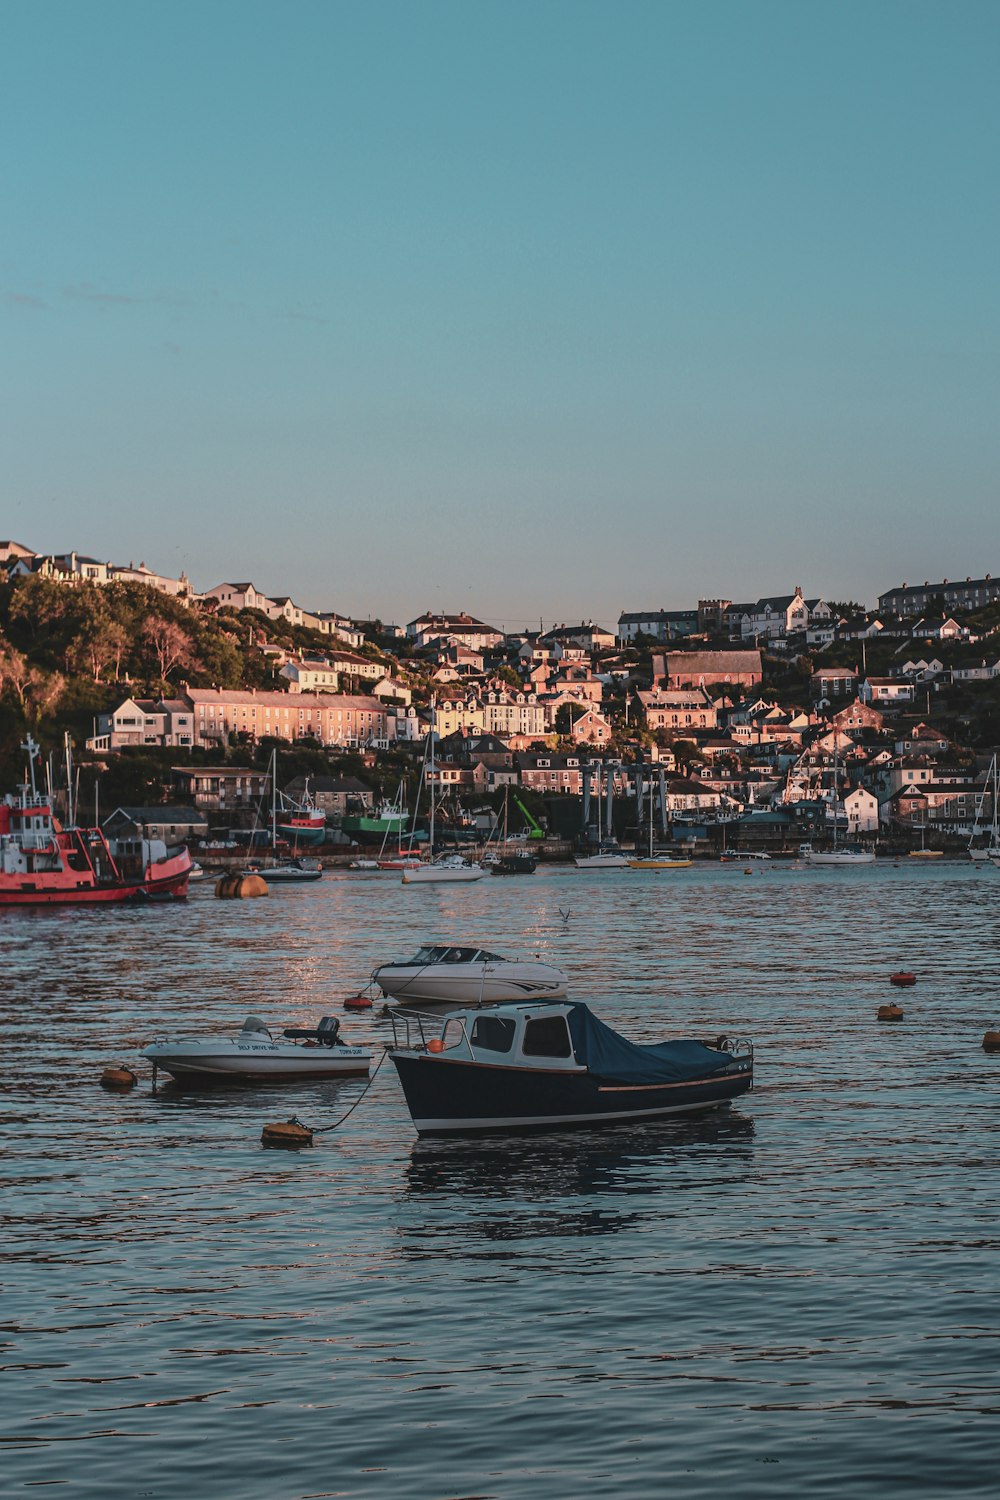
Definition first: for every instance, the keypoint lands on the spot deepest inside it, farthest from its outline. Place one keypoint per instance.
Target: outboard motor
(327, 1032)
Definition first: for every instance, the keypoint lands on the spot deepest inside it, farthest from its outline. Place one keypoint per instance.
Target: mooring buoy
(902, 978)
(288, 1134)
(890, 1013)
(991, 1041)
(118, 1079)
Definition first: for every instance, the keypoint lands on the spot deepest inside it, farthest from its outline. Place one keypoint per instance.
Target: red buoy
(903, 979)
(358, 1002)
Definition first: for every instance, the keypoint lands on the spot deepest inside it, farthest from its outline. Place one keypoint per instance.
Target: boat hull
(602, 862)
(428, 875)
(470, 984)
(255, 1062)
(309, 835)
(452, 1097)
(833, 858)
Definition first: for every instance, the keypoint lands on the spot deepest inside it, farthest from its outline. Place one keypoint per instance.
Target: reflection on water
(791, 1296)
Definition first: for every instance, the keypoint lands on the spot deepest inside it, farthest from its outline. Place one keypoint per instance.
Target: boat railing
(414, 1031)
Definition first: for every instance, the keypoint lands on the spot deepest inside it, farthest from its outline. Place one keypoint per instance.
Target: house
(177, 588)
(222, 788)
(782, 615)
(145, 721)
(169, 822)
(591, 728)
(462, 629)
(333, 719)
(551, 773)
(833, 682)
(682, 669)
(973, 594)
(682, 709)
(332, 794)
(586, 637)
(310, 677)
(858, 716)
(238, 596)
(658, 624)
(888, 692)
(862, 810)
(11, 551)
(390, 688)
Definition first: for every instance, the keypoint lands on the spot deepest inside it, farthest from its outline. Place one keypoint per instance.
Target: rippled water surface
(799, 1296)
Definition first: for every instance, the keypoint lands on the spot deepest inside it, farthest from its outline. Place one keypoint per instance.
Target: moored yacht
(446, 974)
(253, 1055)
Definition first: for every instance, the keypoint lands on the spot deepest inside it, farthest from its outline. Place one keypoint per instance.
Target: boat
(732, 857)
(283, 871)
(990, 851)
(553, 1066)
(375, 827)
(44, 862)
(838, 854)
(609, 854)
(255, 1056)
(657, 861)
(510, 857)
(446, 973)
(447, 868)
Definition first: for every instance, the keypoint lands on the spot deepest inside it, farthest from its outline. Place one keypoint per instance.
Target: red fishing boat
(43, 863)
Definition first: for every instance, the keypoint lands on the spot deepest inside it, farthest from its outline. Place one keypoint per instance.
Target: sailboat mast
(430, 771)
(274, 798)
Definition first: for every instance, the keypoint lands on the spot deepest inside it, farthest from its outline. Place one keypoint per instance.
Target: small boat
(363, 864)
(446, 869)
(288, 870)
(845, 854)
(254, 1056)
(548, 1067)
(732, 857)
(400, 861)
(512, 862)
(442, 973)
(608, 857)
(658, 862)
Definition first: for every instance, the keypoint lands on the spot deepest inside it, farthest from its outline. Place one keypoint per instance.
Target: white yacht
(445, 974)
(448, 869)
(255, 1056)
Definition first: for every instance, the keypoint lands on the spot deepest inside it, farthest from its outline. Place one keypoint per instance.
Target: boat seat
(326, 1033)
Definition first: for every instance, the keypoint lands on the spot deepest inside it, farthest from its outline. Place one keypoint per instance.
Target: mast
(274, 800)
(430, 769)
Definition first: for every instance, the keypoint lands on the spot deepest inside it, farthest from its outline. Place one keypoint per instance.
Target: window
(547, 1037)
(493, 1034)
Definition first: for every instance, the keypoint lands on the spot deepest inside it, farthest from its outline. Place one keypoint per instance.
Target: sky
(536, 309)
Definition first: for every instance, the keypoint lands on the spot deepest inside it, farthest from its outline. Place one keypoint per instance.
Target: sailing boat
(510, 860)
(847, 854)
(282, 871)
(449, 869)
(990, 851)
(653, 861)
(609, 855)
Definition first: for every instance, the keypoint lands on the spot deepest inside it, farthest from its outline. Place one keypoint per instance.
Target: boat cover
(610, 1056)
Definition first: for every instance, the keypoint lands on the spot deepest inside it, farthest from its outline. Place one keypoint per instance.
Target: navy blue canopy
(612, 1057)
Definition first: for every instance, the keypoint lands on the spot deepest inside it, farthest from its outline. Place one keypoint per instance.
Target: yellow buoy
(288, 1134)
(118, 1079)
(890, 1012)
(991, 1041)
(236, 887)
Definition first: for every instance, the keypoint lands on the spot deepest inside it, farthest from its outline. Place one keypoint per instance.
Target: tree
(171, 645)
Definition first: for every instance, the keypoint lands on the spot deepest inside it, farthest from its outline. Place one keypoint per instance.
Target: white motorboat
(254, 1056)
(448, 868)
(304, 868)
(845, 854)
(444, 974)
(608, 857)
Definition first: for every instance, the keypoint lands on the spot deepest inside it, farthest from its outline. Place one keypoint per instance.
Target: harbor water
(795, 1296)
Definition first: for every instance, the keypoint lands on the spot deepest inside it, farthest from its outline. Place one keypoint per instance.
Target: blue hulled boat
(552, 1066)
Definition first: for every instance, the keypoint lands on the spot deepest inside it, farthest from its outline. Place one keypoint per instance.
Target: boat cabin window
(546, 1037)
(493, 1033)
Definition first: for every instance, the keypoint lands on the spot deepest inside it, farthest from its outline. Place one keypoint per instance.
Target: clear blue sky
(536, 309)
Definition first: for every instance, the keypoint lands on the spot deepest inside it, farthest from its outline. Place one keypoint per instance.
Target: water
(797, 1296)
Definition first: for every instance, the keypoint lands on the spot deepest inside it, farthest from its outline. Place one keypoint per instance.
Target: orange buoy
(903, 979)
(890, 1012)
(991, 1041)
(237, 887)
(358, 1002)
(118, 1079)
(288, 1134)
(435, 1044)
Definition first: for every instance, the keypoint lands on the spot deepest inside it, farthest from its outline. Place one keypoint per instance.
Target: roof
(166, 812)
(238, 697)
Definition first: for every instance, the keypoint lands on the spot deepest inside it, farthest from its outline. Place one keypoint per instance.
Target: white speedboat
(443, 974)
(846, 854)
(254, 1056)
(449, 869)
(305, 868)
(608, 857)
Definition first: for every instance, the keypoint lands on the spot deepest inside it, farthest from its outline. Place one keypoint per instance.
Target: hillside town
(755, 723)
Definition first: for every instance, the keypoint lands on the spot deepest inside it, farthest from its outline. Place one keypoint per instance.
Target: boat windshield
(443, 954)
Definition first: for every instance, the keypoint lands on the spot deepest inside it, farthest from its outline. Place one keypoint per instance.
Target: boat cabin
(517, 1036)
(444, 953)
